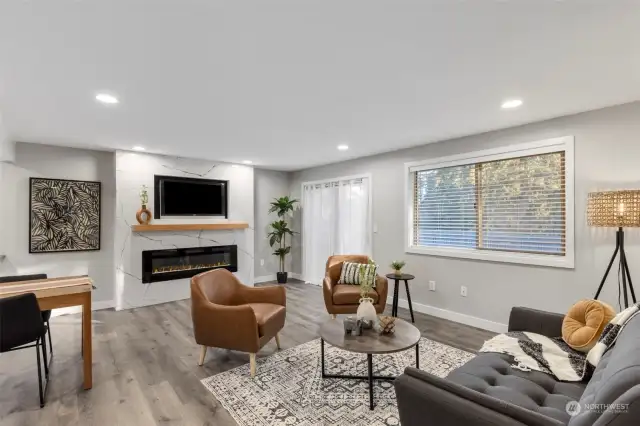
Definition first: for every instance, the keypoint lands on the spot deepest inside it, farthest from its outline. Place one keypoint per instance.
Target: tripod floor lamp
(616, 209)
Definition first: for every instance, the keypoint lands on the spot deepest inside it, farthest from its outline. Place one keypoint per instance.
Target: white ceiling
(282, 83)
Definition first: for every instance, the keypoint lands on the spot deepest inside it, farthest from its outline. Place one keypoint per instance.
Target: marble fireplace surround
(136, 169)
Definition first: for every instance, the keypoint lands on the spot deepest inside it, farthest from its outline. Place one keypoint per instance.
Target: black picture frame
(64, 215)
(158, 206)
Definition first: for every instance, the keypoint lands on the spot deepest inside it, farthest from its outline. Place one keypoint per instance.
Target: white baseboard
(264, 278)
(95, 306)
(452, 316)
(272, 277)
(105, 304)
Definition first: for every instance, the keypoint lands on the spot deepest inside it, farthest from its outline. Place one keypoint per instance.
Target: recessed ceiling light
(106, 98)
(235, 166)
(343, 147)
(248, 162)
(138, 148)
(512, 103)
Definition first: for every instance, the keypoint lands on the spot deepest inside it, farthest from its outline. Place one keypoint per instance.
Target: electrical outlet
(463, 291)
(432, 285)
(261, 262)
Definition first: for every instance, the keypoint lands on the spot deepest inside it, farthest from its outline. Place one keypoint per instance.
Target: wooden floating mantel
(189, 226)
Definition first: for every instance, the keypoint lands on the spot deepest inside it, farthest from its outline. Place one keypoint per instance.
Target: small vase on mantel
(143, 216)
(366, 310)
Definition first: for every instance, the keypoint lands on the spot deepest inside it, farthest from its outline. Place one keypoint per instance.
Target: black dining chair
(46, 315)
(21, 327)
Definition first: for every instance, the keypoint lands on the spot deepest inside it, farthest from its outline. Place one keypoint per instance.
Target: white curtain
(336, 220)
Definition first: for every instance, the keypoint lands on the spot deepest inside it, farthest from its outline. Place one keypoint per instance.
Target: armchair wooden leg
(333, 316)
(203, 353)
(278, 340)
(252, 361)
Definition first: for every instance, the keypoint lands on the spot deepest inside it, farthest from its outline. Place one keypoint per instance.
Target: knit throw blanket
(553, 356)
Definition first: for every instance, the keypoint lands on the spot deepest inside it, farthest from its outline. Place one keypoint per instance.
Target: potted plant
(279, 231)
(397, 266)
(366, 311)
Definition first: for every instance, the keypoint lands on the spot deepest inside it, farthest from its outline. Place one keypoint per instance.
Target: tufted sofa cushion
(492, 375)
(487, 391)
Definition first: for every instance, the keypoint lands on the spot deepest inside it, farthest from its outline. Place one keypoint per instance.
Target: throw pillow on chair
(351, 273)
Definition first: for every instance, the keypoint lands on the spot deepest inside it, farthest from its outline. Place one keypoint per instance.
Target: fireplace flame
(178, 268)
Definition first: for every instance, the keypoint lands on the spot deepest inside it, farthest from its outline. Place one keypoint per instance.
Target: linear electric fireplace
(173, 264)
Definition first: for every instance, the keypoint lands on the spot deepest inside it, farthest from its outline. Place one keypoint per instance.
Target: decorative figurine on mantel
(143, 216)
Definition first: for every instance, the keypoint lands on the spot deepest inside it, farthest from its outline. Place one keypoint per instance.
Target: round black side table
(397, 278)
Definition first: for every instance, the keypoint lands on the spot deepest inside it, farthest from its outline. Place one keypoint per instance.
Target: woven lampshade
(614, 208)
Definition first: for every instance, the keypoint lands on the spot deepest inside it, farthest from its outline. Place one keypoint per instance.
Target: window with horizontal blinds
(515, 204)
(523, 204)
(444, 207)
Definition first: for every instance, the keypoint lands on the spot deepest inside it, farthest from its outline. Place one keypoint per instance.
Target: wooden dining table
(62, 292)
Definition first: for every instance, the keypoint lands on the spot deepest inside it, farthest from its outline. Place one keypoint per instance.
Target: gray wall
(268, 185)
(607, 156)
(32, 160)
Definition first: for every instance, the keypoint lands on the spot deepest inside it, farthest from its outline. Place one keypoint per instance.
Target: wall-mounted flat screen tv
(178, 196)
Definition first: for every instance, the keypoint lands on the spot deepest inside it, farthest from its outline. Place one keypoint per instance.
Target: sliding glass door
(336, 217)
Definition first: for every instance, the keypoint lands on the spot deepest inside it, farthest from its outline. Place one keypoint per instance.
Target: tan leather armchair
(344, 298)
(228, 314)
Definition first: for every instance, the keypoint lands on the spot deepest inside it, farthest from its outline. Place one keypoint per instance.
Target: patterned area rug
(288, 388)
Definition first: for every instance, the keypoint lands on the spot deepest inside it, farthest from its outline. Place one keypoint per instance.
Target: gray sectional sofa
(487, 391)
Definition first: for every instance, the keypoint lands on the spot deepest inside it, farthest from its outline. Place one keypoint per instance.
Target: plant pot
(282, 277)
(397, 272)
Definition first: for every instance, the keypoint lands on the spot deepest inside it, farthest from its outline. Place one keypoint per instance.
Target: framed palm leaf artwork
(64, 215)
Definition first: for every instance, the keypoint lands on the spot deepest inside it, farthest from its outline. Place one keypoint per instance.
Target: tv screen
(175, 196)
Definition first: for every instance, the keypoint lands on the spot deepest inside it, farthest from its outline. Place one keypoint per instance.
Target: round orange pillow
(583, 324)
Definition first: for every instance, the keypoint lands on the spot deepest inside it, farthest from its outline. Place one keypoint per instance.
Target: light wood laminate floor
(145, 368)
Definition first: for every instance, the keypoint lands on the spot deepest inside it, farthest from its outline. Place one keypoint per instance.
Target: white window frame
(565, 143)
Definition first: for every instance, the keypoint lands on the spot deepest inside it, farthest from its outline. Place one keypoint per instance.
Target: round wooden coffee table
(370, 342)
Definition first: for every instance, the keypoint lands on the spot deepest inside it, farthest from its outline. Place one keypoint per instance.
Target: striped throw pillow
(353, 273)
